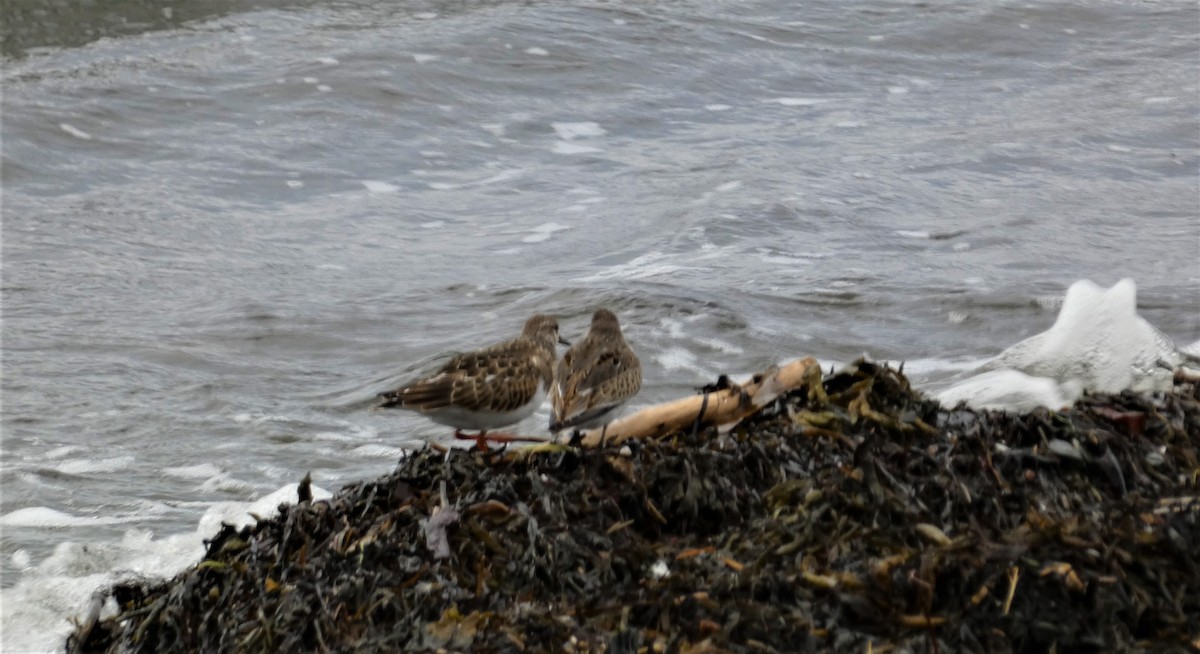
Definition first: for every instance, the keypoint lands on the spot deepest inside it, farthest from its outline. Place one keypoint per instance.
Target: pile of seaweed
(852, 514)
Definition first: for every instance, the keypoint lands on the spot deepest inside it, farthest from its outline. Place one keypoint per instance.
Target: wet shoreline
(851, 515)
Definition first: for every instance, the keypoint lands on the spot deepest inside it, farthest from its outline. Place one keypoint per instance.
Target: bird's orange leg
(483, 438)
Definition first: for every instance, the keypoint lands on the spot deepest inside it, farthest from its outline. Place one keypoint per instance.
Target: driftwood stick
(721, 407)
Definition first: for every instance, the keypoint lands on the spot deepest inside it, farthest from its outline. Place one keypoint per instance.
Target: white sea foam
(647, 265)
(1192, 349)
(60, 452)
(75, 131)
(719, 345)
(1010, 390)
(495, 129)
(570, 131)
(677, 358)
(798, 102)
(567, 147)
(424, 58)
(35, 611)
(537, 52)
(198, 471)
(374, 186)
(933, 365)
(86, 466)
(543, 232)
(47, 518)
(1098, 343)
(377, 451)
(502, 176)
(224, 483)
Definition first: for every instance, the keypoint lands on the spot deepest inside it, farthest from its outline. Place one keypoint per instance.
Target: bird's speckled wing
(500, 379)
(592, 380)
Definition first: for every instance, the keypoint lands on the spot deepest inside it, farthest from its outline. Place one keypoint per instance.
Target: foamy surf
(1098, 342)
(36, 612)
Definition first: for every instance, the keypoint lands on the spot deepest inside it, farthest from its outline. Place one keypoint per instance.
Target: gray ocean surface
(227, 225)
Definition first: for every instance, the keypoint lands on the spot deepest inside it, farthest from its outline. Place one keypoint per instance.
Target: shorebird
(595, 377)
(487, 389)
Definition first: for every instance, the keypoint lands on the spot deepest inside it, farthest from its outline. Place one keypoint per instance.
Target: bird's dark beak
(563, 341)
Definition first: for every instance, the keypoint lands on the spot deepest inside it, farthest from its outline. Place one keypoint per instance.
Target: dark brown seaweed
(852, 515)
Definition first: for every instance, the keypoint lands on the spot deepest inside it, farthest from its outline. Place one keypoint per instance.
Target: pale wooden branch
(723, 407)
